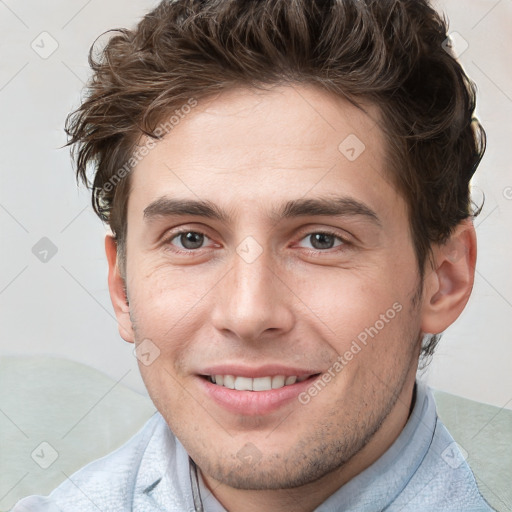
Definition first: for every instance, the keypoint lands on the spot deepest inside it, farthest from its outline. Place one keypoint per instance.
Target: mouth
(256, 395)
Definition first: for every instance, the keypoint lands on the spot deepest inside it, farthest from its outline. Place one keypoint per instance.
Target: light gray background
(62, 307)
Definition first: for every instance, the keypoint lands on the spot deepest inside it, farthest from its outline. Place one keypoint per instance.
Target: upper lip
(255, 372)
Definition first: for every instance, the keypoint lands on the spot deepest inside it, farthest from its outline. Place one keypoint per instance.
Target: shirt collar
(163, 481)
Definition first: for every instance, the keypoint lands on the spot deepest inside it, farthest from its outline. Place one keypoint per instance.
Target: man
(287, 184)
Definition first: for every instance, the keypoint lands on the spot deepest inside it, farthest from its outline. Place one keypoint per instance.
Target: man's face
(272, 287)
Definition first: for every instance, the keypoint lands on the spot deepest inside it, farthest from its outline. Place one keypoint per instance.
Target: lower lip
(254, 403)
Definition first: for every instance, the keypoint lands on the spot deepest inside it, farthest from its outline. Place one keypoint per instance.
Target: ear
(116, 286)
(448, 286)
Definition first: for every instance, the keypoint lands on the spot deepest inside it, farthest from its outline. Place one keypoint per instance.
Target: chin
(266, 477)
(286, 469)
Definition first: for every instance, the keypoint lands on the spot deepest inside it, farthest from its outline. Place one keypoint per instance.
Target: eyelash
(189, 252)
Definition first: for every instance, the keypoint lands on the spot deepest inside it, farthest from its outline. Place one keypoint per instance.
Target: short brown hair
(392, 53)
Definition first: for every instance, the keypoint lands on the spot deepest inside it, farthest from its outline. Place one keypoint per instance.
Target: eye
(188, 240)
(322, 241)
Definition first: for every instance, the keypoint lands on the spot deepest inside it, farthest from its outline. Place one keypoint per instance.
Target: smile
(254, 396)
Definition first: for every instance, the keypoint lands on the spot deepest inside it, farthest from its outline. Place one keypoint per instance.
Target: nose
(253, 301)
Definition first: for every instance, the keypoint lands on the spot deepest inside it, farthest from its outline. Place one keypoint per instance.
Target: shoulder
(105, 484)
(444, 481)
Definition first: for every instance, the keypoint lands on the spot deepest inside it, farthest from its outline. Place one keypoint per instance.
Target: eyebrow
(328, 206)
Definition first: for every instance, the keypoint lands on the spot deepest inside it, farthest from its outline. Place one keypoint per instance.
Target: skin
(249, 152)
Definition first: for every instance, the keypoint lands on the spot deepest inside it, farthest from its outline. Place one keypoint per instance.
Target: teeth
(229, 381)
(277, 381)
(257, 384)
(243, 384)
(262, 384)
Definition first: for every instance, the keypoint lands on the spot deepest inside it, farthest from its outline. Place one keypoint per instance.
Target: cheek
(349, 302)
(166, 293)
(367, 320)
(169, 305)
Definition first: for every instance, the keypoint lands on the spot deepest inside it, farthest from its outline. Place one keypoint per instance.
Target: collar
(162, 482)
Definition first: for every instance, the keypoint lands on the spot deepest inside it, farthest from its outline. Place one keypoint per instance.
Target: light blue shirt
(422, 471)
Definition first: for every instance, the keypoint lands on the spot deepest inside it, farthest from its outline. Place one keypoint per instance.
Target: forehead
(247, 146)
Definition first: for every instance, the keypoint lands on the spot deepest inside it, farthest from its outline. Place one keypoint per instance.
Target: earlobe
(448, 286)
(117, 289)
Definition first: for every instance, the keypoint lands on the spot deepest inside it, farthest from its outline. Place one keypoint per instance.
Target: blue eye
(189, 240)
(323, 241)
